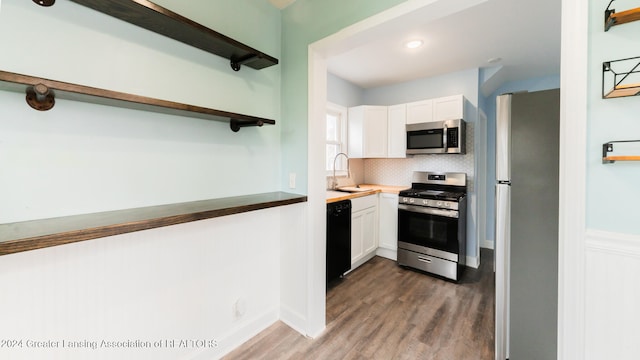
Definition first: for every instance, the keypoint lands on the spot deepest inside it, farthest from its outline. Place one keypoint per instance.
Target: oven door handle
(429, 211)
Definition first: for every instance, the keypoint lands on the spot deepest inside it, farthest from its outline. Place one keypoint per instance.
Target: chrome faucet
(334, 183)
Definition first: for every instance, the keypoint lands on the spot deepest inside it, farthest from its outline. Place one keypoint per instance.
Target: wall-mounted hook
(40, 97)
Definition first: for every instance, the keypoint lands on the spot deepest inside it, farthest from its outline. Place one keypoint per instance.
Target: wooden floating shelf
(610, 159)
(163, 21)
(38, 234)
(623, 91)
(622, 158)
(612, 18)
(41, 94)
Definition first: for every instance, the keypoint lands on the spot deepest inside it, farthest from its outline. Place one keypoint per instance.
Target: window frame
(342, 114)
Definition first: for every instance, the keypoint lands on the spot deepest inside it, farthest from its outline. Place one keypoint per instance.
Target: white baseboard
(387, 253)
(237, 337)
(293, 319)
(488, 244)
(473, 261)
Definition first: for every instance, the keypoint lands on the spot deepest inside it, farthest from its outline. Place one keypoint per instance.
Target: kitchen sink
(352, 189)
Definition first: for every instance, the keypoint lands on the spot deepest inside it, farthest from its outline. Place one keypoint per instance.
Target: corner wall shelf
(611, 18)
(624, 80)
(163, 21)
(41, 94)
(610, 159)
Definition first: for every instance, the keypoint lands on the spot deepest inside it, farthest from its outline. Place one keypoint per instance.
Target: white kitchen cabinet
(367, 127)
(388, 225)
(364, 229)
(420, 111)
(397, 135)
(443, 108)
(449, 107)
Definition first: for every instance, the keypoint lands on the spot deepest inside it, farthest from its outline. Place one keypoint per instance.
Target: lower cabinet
(388, 226)
(364, 229)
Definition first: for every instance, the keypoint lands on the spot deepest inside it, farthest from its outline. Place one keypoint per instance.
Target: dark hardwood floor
(383, 311)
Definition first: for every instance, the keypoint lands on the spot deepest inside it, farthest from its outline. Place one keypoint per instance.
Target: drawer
(364, 202)
(432, 264)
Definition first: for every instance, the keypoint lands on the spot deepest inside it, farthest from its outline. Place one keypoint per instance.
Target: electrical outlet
(292, 180)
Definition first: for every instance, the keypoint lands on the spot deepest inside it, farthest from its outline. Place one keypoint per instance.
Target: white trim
(391, 254)
(236, 338)
(573, 148)
(473, 262)
(613, 243)
(488, 244)
(316, 195)
(293, 319)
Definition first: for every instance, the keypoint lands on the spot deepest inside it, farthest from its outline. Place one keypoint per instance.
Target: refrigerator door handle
(503, 243)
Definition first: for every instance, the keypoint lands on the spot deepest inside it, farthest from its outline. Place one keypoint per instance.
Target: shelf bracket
(45, 2)
(40, 97)
(625, 82)
(237, 62)
(235, 124)
(609, 21)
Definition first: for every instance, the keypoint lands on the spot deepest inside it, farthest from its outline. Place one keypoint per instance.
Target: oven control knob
(439, 203)
(411, 200)
(425, 202)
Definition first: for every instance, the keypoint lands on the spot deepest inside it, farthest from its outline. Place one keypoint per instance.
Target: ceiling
(523, 34)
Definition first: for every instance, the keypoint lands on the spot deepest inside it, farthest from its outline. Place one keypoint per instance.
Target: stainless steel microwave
(437, 137)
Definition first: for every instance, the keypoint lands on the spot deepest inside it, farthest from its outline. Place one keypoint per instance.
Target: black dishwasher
(338, 239)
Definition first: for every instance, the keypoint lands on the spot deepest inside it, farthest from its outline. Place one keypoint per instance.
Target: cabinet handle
(424, 259)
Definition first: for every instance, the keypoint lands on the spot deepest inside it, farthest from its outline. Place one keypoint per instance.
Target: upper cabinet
(380, 131)
(397, 134)
(450, 107)
(420, 111)
(444, 108)
(367, 132)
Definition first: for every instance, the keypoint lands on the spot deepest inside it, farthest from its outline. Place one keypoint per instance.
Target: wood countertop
(37, 234)
(372, 189)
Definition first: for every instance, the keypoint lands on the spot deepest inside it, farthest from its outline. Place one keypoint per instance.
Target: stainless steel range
(432, 218)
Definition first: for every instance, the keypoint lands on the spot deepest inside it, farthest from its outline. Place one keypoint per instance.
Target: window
(336, 139)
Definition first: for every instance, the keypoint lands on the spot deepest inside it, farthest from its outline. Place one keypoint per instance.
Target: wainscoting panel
(612, 295)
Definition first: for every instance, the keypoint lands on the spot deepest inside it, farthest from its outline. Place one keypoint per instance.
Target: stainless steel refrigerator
(526, 249)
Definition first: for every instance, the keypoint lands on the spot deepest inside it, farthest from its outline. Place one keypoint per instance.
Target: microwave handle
(445, 136)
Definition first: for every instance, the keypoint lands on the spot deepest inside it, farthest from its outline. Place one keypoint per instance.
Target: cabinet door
(355, 132)
(420, 111)
(388, 234)
(367, 132)
(450, 107)
(369, 223)
(397, 139)
(357, 228)
(375, 132)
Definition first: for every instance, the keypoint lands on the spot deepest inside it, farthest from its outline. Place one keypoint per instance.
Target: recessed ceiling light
(494, 60)
(414, 44)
